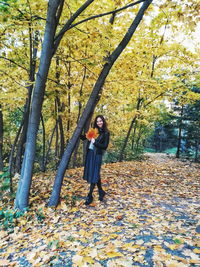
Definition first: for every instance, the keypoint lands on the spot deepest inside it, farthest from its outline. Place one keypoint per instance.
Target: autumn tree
(50, 45)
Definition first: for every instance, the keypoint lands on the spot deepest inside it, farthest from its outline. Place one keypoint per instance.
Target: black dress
(94, 157)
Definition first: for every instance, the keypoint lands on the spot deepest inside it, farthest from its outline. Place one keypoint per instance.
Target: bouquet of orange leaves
(92, 133)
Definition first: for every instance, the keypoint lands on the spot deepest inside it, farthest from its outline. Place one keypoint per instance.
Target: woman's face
(99, 122)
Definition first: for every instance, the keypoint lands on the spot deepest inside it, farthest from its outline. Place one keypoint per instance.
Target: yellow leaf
(173, 246)
(114, 254)
(23, 222)
(82, 232)
(195, 261)
(73, 209)
(88, 260)
(197, 250)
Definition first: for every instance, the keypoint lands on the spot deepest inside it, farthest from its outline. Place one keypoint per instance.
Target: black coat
(101, 142)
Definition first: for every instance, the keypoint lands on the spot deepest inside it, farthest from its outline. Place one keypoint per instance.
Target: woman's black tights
(92, 186)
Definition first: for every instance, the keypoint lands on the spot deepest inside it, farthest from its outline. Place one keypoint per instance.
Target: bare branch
(156, 97)
(5, 73)
(10, 60)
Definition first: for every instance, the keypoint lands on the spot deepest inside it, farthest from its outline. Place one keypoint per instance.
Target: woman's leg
(89, 198)
(99, 185)
(92, 186)
(101, 191)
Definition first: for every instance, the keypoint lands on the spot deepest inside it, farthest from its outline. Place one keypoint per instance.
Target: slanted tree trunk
(90, 106)
(1, 138)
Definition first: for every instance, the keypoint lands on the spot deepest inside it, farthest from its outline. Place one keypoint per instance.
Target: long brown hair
(104, 128)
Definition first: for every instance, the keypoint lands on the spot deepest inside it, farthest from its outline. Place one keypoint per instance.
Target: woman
(95, 150)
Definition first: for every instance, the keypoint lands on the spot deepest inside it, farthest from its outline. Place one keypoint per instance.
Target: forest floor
(149, 217)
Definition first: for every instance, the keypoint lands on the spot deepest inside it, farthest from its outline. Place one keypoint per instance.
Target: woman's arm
(104, 143)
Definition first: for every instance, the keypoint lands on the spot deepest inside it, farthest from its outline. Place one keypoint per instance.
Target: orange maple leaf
(92, 133)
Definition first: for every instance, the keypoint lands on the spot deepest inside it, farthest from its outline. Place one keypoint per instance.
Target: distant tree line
(179, 132)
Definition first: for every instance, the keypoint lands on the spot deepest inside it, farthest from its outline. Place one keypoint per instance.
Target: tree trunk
(129, 130)
(33, 55)
(59, 108)
(42, 164)
(121, 155)
(23, 190)
(1, 139)
(138, 138)
(196, 151)
(78, 117)
(22, 137)
(94, 97)
(133, 137)
(11, 157)
(49, 146)
(179, 135)
(81, 93)
(69, 85)
(56, 149)
(74, 162)
(62, 140)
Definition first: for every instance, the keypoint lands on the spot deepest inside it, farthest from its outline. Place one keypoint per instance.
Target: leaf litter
(149, 217)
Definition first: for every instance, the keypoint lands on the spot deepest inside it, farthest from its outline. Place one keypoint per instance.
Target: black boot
(89, 197)
(89, 200)
(101, 195)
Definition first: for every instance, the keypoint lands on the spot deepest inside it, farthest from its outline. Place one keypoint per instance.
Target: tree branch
(10, 60)
(4, 3)
(5, 73)
(69, 26)
(105, 14)
(156, 97)
(69, 22)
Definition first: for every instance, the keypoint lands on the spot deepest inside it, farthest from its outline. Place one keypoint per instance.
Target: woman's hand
(92, 140)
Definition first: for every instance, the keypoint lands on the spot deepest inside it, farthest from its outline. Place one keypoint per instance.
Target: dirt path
(159, 157)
